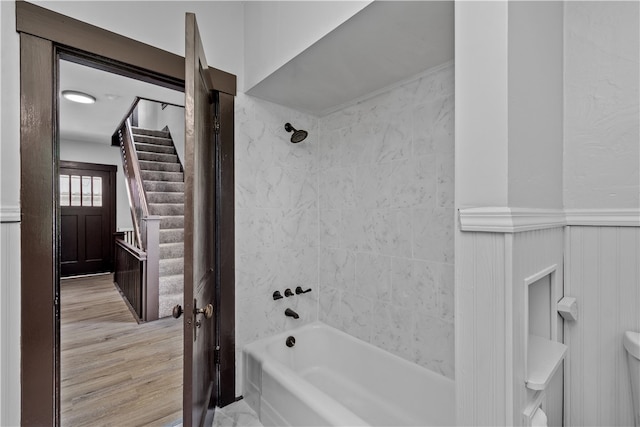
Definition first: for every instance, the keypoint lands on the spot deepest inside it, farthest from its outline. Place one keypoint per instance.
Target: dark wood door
(200, 387)
(87, 217)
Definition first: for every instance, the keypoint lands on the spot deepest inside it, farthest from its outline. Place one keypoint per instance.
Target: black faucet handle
(300, 291)
(288, 293)
(277, 295)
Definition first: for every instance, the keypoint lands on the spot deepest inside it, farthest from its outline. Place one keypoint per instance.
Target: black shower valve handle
(288, 293)
(277, 295)
(300, 291)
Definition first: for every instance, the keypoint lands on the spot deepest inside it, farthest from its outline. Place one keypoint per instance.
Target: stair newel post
(150, 293)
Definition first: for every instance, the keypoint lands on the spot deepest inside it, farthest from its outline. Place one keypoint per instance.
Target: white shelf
(543, 359)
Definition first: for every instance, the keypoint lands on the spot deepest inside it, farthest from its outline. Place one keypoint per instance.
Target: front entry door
(200, 382)
(87, 217)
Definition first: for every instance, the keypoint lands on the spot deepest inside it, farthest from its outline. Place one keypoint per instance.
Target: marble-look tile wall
(276, 220)
(386, 219)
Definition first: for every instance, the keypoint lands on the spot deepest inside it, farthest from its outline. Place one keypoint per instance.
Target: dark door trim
(94, 166)
(40, 315)
(146, 62)
(44, 37)
(111, 170)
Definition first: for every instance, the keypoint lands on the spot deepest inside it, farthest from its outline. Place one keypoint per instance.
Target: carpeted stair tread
(171, 284)
(162, 176)
(171, 250)
(157, 157)
(165, 197)
(153, 148)
(166, 186)
(172, 235)
(171, 266)
(166, 209)
(147, 139)
(159, 166)
(151, 132)
(176, 221)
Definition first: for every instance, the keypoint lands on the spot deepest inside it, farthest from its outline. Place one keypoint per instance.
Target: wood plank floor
(115, 372)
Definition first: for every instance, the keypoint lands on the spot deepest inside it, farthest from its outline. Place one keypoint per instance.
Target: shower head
(298, 135)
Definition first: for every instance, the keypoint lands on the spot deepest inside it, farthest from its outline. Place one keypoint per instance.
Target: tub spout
(291, 313)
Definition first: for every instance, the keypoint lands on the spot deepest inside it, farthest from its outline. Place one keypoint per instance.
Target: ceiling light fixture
(80, 97)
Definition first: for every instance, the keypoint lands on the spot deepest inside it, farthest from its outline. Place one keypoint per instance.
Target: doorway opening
(45, 37)
(87, 217)
(109, 359)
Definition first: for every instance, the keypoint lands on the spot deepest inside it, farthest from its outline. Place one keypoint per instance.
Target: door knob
(177, 311)
(207, 311)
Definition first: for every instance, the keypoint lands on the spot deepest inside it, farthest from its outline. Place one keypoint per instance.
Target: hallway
(114, 371)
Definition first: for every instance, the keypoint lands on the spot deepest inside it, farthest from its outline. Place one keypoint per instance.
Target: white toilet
(632, 344)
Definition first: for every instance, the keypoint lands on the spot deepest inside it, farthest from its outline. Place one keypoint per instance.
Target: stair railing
(146, 227)
(123, 137)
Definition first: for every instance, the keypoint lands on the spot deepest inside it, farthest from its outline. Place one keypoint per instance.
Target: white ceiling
(385, 43)
(114, 95)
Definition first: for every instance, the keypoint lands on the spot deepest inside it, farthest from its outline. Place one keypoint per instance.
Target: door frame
(45, 37)
(111, 169)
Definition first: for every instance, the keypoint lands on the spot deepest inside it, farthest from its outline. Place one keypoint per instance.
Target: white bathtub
(330, 378)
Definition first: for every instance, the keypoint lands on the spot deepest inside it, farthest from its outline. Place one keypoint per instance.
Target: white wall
(387, 219)
(481, 76)
(10, 107)
(77, 151)
(535, 104)
(602, 153)
(148, 114)
(173, 118)
(509, 97)
(276, 31)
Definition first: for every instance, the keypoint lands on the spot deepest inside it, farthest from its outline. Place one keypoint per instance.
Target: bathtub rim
(262, 343)
(259, 351)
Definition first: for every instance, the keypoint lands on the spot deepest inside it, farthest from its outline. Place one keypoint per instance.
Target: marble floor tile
(238, 414)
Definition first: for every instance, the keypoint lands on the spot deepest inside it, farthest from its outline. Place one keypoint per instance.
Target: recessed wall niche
(544, 353)
(540, 307)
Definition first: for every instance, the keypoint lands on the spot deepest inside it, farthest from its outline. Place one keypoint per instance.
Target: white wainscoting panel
(10, 323)
(535, 252)
(603, 273)
(481, 395)
(491, 334)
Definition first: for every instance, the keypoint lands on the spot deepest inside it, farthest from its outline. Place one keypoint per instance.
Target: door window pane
(86, 191)
(75, 190)
(97, 191)
(64, 190)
